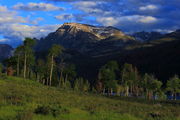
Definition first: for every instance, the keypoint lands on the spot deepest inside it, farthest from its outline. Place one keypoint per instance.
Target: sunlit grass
(19, 99)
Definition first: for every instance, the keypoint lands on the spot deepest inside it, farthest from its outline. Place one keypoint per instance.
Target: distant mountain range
(147, 36)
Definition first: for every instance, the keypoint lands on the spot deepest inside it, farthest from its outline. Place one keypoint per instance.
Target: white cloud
(7, 16)
(20, 31)
(108, 21)
(86, 3)
(65, 17)
(148, 7)
(37, 7)
(164, 30)
(148, 19)
(136, 19)
(15, 28)
(3, 40)
(3, 8)
(90, 7)
(12, 19)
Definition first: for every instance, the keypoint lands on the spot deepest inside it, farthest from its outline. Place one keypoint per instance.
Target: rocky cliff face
(83, 38)
(5, 51)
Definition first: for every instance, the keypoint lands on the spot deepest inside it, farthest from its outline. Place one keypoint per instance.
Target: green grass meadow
(28, 100)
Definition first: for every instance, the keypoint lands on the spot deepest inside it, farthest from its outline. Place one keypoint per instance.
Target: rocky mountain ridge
(83, 37)
(147, 36)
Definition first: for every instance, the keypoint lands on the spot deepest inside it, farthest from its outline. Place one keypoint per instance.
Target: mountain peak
(98, 31)
(72, 24)
(73, 29)
(84, 37)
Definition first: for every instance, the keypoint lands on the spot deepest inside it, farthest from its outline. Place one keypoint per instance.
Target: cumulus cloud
(164, 30)
(136, 19)
(3, 40)
(148, 7)
(108, 17)
(86, 3)
(133, 15)
(37, 7)
(14, 34)
(15, 28)
(3, 8)
(68, 17)
(7, 16)
(92, 7)
(65, 17)
(108, 21)
(147, 19)
(20, 31)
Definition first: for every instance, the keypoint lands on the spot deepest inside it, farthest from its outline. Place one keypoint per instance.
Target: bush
(55, 111)
(43, 110)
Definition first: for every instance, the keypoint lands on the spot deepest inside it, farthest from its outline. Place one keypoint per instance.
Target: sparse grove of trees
(112, 78)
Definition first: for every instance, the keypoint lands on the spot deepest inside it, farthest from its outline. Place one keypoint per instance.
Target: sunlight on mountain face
(89, 60)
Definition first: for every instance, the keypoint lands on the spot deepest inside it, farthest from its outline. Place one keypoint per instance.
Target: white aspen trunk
(50, 77)
(25, 57)
(127, 91)
(18, 66)
(61, 80)
(104, 91)
(111, 91)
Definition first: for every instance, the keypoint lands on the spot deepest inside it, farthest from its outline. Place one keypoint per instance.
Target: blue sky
(37, 18)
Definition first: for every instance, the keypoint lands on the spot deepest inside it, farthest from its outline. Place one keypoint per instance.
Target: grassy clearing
(28, 100)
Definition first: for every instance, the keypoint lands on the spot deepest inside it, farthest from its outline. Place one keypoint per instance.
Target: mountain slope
(83, 38)
(147, 36)
(5, 51)
(160, 57)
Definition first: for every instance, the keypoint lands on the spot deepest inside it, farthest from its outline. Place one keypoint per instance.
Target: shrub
(55, 111)
(44, 110)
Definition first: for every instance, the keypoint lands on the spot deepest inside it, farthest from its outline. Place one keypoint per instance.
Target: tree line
(111, 80)
(51, 71)
(127, 81)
